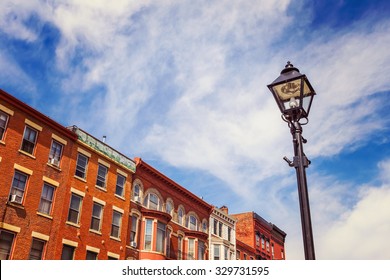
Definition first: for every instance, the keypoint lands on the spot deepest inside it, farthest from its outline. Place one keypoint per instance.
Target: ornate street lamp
(294, 94)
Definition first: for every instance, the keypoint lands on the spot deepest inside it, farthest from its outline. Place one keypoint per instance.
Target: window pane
(18, 186)
(120, 182)
(55, 153)
(191, 249)
(29, 139)
(81, 167)
(148, 234)
(91, 255)
(160, 237)
(133, 233)
(101, 176)
(3, 124)
(6, 240)
(46, 199)
(216, 252)
(74, 209)
(36, 251)
(96, 216)
(67, 252)
(116, 222)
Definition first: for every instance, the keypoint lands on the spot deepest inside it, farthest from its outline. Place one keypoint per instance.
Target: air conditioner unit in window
(54, 161)
(133, 244)
(15, 199)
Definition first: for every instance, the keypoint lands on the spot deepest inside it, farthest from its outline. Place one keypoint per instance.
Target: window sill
(27, 154)
(95, 231)
(54, 167)
(45, 215)
(2, 142)
(115, 238)
(16, 205)
(72, 224)
(81, 179)
(120, 197)
(100, 188)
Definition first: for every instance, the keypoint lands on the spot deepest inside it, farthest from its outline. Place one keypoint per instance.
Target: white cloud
(186, 82)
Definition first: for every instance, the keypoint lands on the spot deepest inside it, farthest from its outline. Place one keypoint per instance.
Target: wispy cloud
(184, 82)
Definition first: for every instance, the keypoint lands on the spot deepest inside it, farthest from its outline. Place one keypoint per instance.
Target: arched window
(192, 222)
(137, 191)
(152, 202)
(169, 207)
(204, 226)
(180, 215)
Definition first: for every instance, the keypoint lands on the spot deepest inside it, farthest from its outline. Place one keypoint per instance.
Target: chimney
(224, 209)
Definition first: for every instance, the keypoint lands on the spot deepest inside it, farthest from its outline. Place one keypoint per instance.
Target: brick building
(168, 221)
(95, 220)
(65, 194)
(35, 159)
(266, 238)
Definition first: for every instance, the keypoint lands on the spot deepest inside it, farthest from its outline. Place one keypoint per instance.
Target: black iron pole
(300, 163)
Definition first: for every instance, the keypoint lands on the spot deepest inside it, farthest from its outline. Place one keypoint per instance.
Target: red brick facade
(66, 195)
(178, 220)
(266, 239)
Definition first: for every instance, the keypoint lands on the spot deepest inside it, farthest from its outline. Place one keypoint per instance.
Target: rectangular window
(81, 167)
(55, 153)
(96, 216)
(120, 183)
(6, 241)
(133, 232)
(160, 240)
(148, 234)
(37, 249)
(116, 224)
(220, 229)
(29, 140)
(91, 255)
(168, 243)
(74, 209)
(201, 250)
(46, 202)
(216, 252)
(226, 251)
(101, 176)
(67, 252)
(229, 234)
(215, 228)
(191, 249)
(180, 247)
(3, 124)
(18, 187)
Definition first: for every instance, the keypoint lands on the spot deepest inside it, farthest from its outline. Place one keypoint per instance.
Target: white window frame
(4, 118)
(95, 217)
(120, 186)
(161, 236)
(116, 224)
(55, 155)
(27, 142)
(81, 167)
(75, 209)
(101, 177)
(46, 199)
(148, 244)
(18, 190)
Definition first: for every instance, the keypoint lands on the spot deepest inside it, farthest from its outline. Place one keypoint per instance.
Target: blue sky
(183, 85)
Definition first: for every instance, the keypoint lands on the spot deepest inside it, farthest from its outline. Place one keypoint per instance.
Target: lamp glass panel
(288, 90)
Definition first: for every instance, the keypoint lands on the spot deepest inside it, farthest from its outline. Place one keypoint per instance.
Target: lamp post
(294, 94)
